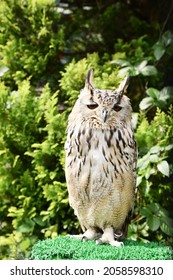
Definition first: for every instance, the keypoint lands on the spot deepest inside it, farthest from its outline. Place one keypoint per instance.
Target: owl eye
(92, 106)
(117, 108)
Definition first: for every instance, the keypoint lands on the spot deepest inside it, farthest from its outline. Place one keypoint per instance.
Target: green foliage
(31, 167)
(164, 45)
(30, 39)
(145, 61)
(158, 217)
(134, 57)
(75, 72)
(154, 134)
(161, 99)
(154, 179)
(32, 156)
(39, 83)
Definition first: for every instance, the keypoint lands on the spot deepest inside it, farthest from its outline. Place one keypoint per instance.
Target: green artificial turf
(62, 248)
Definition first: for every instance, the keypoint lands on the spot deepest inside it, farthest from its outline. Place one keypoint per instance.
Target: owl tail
(123, 232)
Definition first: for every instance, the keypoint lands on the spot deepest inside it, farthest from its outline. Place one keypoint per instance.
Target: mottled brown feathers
(101, 162)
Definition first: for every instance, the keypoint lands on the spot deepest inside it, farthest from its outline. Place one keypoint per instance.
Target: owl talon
(116, 244)
(112, 243)
(99, 242)
(84, 238)
(108, 238)
(77, 236)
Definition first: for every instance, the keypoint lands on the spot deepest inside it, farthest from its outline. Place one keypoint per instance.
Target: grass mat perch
(62, 248)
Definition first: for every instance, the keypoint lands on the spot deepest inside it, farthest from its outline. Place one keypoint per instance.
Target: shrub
(32, 182)
(37, 92)
(31, 41)
(153, 217)
(32, 178)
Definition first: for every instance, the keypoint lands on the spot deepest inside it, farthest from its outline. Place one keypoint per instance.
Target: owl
(100, 163)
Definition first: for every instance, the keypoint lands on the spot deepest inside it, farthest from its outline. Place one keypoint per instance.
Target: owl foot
(108, 238)
(117, 243)
(112, 243)
(89, 234)
(77, 236)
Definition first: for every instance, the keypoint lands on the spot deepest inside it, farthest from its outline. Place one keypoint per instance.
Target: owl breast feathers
(101, 162)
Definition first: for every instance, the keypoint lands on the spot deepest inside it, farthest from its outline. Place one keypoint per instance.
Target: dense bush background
(46, 49)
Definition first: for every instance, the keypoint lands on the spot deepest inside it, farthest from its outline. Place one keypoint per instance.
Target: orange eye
(92, 106)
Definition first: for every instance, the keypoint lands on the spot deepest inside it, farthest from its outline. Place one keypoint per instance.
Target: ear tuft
(89, 79)
(124, 84)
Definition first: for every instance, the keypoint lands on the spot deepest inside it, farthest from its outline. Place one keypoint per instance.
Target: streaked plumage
(101, 162)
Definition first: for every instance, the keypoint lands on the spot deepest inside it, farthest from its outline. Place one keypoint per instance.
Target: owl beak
(104, 115)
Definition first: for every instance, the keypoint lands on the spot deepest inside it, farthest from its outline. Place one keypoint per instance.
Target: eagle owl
(101, 162)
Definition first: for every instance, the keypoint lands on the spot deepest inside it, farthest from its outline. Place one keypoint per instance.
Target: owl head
(104, 106)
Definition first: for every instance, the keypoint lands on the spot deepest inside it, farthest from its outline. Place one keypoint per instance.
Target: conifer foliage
(46, 48)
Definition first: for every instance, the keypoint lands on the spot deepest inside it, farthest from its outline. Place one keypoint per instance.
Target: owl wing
(135, 161)
(124, 231)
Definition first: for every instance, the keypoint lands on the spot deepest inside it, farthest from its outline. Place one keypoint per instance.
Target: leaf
(145, 103)
(149, 171)
(159, 50)
(141, 66)
(52, 175)
(169, 147)
(164, 214)
(166, 93)
(121, 62)
(167, 220)
(163, 167)
(166, 229)
(146, 212)
(2, 152)
(15, 160)
(153, 222)
(150, 210)
(154, 207)
(161, 104)
(26, 227)
(143, 162)
(155, 149)
(3, 70)
(139, 180)
(152, 92)
(167, 38)
(7, 241)
(161, 98)
(154, 158)
(149, 71)
(124, 71)
(25, 244)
